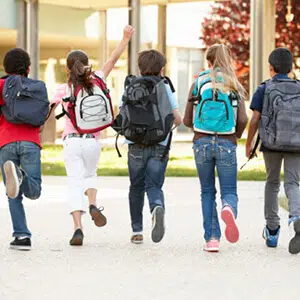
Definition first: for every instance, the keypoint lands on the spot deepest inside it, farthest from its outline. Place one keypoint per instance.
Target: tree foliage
(229, 23)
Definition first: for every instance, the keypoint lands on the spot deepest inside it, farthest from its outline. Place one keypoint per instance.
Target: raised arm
(109, 65)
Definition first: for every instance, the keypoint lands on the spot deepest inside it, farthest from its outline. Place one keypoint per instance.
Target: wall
(7, 14)
(63, 20)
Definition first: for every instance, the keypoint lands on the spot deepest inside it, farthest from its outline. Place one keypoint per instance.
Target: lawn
(181, 163)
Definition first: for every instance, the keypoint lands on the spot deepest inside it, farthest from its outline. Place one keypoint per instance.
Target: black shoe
(14, 178)
(97, 216)
(21, 244)
(158, 224)
(294, 246)
(77, 239)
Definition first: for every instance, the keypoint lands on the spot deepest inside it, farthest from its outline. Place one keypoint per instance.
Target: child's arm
(189, 109)
(109, 65)
(242, 119)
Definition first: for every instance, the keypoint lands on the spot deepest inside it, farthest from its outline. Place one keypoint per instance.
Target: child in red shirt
(19, 156)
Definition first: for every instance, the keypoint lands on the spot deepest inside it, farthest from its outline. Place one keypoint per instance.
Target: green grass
(180, 165)
(283, 202)
(110, 164)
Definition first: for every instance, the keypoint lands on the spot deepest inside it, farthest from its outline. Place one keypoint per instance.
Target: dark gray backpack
(26, 101)
(279, 128)
(146, 116)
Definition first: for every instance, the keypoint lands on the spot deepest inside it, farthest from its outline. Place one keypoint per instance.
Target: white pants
(81, 161)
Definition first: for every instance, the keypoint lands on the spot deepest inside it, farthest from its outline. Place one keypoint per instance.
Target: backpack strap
(52, 106)
(116, 145)
(167, 149)
(169, 82)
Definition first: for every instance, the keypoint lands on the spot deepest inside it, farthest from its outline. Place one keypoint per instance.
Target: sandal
(137, 239)
(97, 216)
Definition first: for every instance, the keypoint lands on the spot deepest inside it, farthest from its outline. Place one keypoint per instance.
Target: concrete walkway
(109, 267)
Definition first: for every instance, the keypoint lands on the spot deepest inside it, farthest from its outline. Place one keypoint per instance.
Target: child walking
(220, 119)
(82, 151)
(278, 126)
(148, 112)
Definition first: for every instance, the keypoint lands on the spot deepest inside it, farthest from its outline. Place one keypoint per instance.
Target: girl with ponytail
(219, 120)
(82, 151)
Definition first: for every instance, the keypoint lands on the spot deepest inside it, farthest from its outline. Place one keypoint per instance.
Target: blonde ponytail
(220, 59)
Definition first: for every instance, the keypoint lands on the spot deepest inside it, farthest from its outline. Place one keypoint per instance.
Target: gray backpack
(279, 128)
(146, 116)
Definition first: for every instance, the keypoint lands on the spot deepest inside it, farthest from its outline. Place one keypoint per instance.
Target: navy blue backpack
(26, 101)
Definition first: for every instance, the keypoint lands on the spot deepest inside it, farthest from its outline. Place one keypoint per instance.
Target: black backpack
(146, 116)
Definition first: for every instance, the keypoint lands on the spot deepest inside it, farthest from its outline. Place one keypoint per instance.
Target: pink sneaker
(231, 232)
(212, 246)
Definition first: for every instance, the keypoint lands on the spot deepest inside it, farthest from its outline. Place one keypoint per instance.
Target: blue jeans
(210, 153)
(147, 174)
(27, 156)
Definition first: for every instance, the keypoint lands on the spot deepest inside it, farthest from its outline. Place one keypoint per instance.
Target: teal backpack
(216, 111)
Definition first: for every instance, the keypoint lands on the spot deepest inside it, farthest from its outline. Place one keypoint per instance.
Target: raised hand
(128, 33)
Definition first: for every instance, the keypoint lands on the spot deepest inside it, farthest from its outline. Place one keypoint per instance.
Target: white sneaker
(13, 178)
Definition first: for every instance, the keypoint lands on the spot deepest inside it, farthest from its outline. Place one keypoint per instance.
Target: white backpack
(89, 111)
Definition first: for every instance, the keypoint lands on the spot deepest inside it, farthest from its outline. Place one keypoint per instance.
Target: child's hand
(128, 33)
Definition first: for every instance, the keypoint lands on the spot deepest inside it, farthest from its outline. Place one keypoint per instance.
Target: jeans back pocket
(227, 155)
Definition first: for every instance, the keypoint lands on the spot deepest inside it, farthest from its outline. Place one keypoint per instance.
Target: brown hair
(80, 70)
(220, 59)
(151, 62)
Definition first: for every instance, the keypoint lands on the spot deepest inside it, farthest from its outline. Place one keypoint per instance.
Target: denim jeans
(210, 153)
(147, 174)
(27, 156)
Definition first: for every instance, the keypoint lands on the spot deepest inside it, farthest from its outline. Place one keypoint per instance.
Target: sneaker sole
(12, 181)
(294, 246)
(98, 218)
(20, 248)
(231, 232)
(137, 242)
(158, 229)
(213, 250)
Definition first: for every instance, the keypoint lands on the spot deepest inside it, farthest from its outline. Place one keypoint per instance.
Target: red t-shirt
(10, 133)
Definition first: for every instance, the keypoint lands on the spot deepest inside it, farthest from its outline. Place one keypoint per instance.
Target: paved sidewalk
(109, 267)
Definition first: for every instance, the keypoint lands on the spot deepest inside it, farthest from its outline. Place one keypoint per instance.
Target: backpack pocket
(141, 115)
(213, 116)
(93, 111)
(287, 128)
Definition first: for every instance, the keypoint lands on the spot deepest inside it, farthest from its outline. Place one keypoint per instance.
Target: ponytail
(219, 57)
(80, 73)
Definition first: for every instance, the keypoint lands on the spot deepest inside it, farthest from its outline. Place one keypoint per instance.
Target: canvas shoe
(14, 178)
(294, 245)
(21, 243)
(158, 224)
(212, 246)
(271, 240)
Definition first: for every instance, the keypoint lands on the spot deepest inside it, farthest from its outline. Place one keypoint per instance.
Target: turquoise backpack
(216, 111)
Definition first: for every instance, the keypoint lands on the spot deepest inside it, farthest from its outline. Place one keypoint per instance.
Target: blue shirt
(258, 99)
(174, 105)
